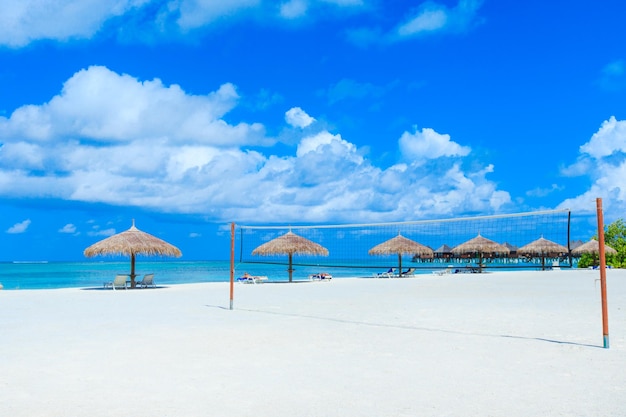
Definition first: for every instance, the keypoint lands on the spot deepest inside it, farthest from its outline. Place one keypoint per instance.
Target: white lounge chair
(446, 271)
(251, 279)
(387, 274)
(118, 282)
(147, 281)
(322, 276)
(259, 279)
(409, 272)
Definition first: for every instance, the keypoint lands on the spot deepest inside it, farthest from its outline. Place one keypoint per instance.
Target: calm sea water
(49, 275)
(46, 275)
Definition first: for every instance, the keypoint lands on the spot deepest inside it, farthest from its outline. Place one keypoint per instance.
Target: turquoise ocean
(92, 274)
(51, 275)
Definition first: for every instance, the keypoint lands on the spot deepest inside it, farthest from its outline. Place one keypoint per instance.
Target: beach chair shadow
(118, 283)
(147, 281)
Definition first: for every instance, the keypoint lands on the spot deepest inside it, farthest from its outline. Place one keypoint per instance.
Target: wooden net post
(605, 312)
(232, 263)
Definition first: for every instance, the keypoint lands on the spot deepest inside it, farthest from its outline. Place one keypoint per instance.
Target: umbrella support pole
(132, 271)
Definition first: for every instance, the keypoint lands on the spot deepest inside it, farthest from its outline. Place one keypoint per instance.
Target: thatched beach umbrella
(400, 245)
(132, 242)
(290, 244)
(480, 246)
(542, 248)
(592, 247)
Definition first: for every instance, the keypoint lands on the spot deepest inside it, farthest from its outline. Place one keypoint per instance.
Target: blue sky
(189, 114)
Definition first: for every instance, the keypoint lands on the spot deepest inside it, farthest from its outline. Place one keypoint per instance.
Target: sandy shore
(496, 344)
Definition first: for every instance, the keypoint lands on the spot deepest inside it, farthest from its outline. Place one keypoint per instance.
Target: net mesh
(349, 245)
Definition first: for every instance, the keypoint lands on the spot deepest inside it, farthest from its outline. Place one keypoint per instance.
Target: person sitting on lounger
(245, 277)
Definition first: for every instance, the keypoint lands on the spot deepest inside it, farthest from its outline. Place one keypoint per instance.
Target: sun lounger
(321, 276)
(251, 279)
(147, 281)
(390, 273)
(118, 282)
(446, 271)
(408, 272)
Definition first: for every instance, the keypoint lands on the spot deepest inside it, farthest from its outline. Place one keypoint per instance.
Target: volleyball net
(349, 245)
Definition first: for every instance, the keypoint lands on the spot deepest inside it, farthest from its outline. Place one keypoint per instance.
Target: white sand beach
(493, 344)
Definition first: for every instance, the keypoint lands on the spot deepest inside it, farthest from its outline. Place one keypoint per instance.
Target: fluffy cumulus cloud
(99, 105)
(608, 140)
(603, 160)
(114, 139)
(427, 144)
(297, 117)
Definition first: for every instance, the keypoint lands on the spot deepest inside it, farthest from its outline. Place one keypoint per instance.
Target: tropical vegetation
(615, 237)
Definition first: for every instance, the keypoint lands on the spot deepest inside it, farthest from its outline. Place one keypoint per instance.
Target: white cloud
(428, 144)
(603, 161)
(99, 105)
(24, 21)
(141, 143)
(428, 20)
(194, 235)
(68, 228)
(19, 227)
(297, 117)
(610, 138)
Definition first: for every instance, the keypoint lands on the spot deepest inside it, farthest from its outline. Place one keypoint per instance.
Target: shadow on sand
(416, 328)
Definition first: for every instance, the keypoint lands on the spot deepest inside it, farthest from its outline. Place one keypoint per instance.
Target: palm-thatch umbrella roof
(290, 244)
(542, 248)
(132, 242)
(400, 245)
(480, 245)
(592, 247)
